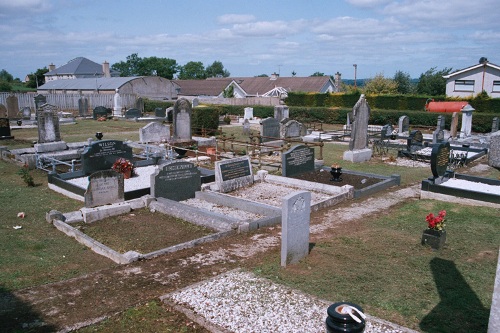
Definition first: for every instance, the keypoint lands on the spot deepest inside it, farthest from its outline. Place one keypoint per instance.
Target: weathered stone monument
(290, 128)
(246, 127)
(437, 136)
(441, 122)
(26, 112)
(12, 107)
(281, 112)
(297, 160)
(83, 106)
(415, 141)
(3, 111)
(295, 221)
(49, 135)
(105, 187)
(176, 181)
(133, 113)
(100, 111)
(270, 129)
(182, 114)
(466, 129)
(160, 113)
(358, 145)
(454, 125)
(233, 173)
(403, 125)
(39, 101)
(494, 151)
(495, 124)
(117, 104)
(154, 132)
(386, 132)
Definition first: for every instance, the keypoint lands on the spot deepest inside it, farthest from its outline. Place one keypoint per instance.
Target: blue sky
(254, 37)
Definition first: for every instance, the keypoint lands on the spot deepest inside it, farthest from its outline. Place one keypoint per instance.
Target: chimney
(338, 81)
(274, 76)
(52, 67)
(105, 69)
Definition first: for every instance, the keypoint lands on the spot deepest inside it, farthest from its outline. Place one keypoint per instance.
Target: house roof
(79, 66)
(460, 71)
(253, 86)
(100, 83)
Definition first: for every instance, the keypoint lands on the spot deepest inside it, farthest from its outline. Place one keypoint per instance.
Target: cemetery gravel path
(76, 302)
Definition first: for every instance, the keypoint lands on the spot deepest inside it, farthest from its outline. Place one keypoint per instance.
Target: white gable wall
(481, 78)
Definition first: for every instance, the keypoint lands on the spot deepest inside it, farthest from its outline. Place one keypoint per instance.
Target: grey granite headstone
(133, 113)
(3, 111)
(440, 156)
(182, 120)
(154, 132)
(248, 113)
(270, 129)
(494, 151)
(233, 173)
(403, 124)
(454, 125)
(358, 144)
(139, 104)
(176, 181)
(295, 220)
(415, 141)
(5, 129)
(101, 111)
(437, 136)
(195, 102)
(101, 155)
(105, 187)
(495, 124)
(292, 129)
(386, 131)
(39, 101)
(281, 112)
(160, 112)
(48, 124)
(12, 107)
(441, 121)
(83, 106)
(246, 127)
(494, 321)
(297, 160)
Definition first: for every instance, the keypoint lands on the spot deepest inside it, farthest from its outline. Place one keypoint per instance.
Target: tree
(216, 69)
(318, 74)
(163, 67)
(404, 82)
(229, 92)
(37, 78)
(432, 82)
(262, 75)
(5, 86)
(381, 85)
(130, 67)
(192, 70)
(6, 76)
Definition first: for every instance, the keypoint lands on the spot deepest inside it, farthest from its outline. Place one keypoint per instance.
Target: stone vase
(435, 238)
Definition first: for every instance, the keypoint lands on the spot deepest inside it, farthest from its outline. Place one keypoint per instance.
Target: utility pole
(355, 70)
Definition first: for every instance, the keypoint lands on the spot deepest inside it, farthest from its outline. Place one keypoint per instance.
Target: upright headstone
(233, 173)
(117, 104)
(495, 124)
(358, 145)
(386, 132)
(83, 106)
(139, 104)
(494, 321)
(291, 128)
(248, 113)
(403, 124)
(133, 113)
(12, 107)
(105, 187)
(160, 112)
(295, 221)
(415, 141)
(5, 129)
(454, 125)
(176, 181)
(494, 150)
(437, 136)
(297, 160)
(154, 132)
(270, 129)
(170, 114)
(100, 155)
(26, 113)
(196, 102)
(3, 111)
(48, 124)
(100, 111)
(39, 101)
(349, 120)
(440, 156)
(466, 129)
(281, 112)
(182, 120)
(246, 127)
(441, 122)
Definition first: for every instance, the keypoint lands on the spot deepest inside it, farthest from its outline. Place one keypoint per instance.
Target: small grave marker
(100, 111)
(454, 125)
(105, 187)
(154, 132)
(176, 181)
(297, 160)
(281, 112)
(233, 173)
(133, 113)
(404, 124)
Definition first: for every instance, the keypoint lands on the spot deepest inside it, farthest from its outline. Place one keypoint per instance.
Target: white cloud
(235, 18)
(368, 3)
(268, 28)
(25, 5)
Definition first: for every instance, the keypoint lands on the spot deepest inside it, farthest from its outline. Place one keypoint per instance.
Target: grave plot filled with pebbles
(224, 210)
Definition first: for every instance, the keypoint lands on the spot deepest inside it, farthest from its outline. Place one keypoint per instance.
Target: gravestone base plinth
(356, 156)
(50, 146)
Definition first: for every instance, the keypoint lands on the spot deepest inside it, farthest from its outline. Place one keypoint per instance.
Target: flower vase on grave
(336, 172)
(435, 238)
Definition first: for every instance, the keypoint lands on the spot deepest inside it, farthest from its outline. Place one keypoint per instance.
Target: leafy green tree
(193, 70)
(37, 78)
(229, 92)
(216, 69)
(5, 86)
(381, 85)
(403, 80)
(262, 75)
(432, 83)
(318, 74)
(130, 67)
(6, 76)
(163, 67)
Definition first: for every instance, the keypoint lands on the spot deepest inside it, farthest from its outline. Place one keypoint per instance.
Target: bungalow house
(79, 68)
(472, 80)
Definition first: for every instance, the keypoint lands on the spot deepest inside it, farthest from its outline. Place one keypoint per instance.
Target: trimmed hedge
(151, 105)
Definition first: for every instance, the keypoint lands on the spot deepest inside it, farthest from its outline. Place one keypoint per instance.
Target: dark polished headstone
(297, 160)
(101, 155)
(160, 112)
(440, 157)
(415, 141)
(101, 111)
(233, 173)
(5, 129)
(270, 129)
(176, 181)
(133, 113)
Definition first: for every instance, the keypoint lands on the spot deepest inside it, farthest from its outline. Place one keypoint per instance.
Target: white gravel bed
(228, 211)
(142, 179)
(242, 302)
(272, 194)
(473, 186)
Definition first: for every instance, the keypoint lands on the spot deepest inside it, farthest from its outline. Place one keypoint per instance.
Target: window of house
(464, 85)
(496, 86)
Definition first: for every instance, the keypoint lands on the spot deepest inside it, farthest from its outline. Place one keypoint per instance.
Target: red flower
(436, 222)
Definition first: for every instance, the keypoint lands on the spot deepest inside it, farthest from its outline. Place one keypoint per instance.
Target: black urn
(339, 321)
(19, 122)
(336, 172)
(98, 135)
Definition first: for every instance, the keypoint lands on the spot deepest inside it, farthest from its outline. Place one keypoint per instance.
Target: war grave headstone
(5, 129)
(154, 132)
(292, 129)
(133, 113)
(26, 113)
(466, 129)
(3, 111)
(297, 160)
(233, 173)
(12, 107)
(248, 113)
(100, 111)
(454, 125)
(358, 144)
(176, 181)
(495, 124)
(105, 187)
(195, 102)
(160, 112)
(403, 124)
(246, 127)
(281, 112)
(49, 134)
(440, 156)
(494, 151)
(415, 141)
(270, 129)
(101, 155)
(83, 106)
(39, 101)
(295, 221)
